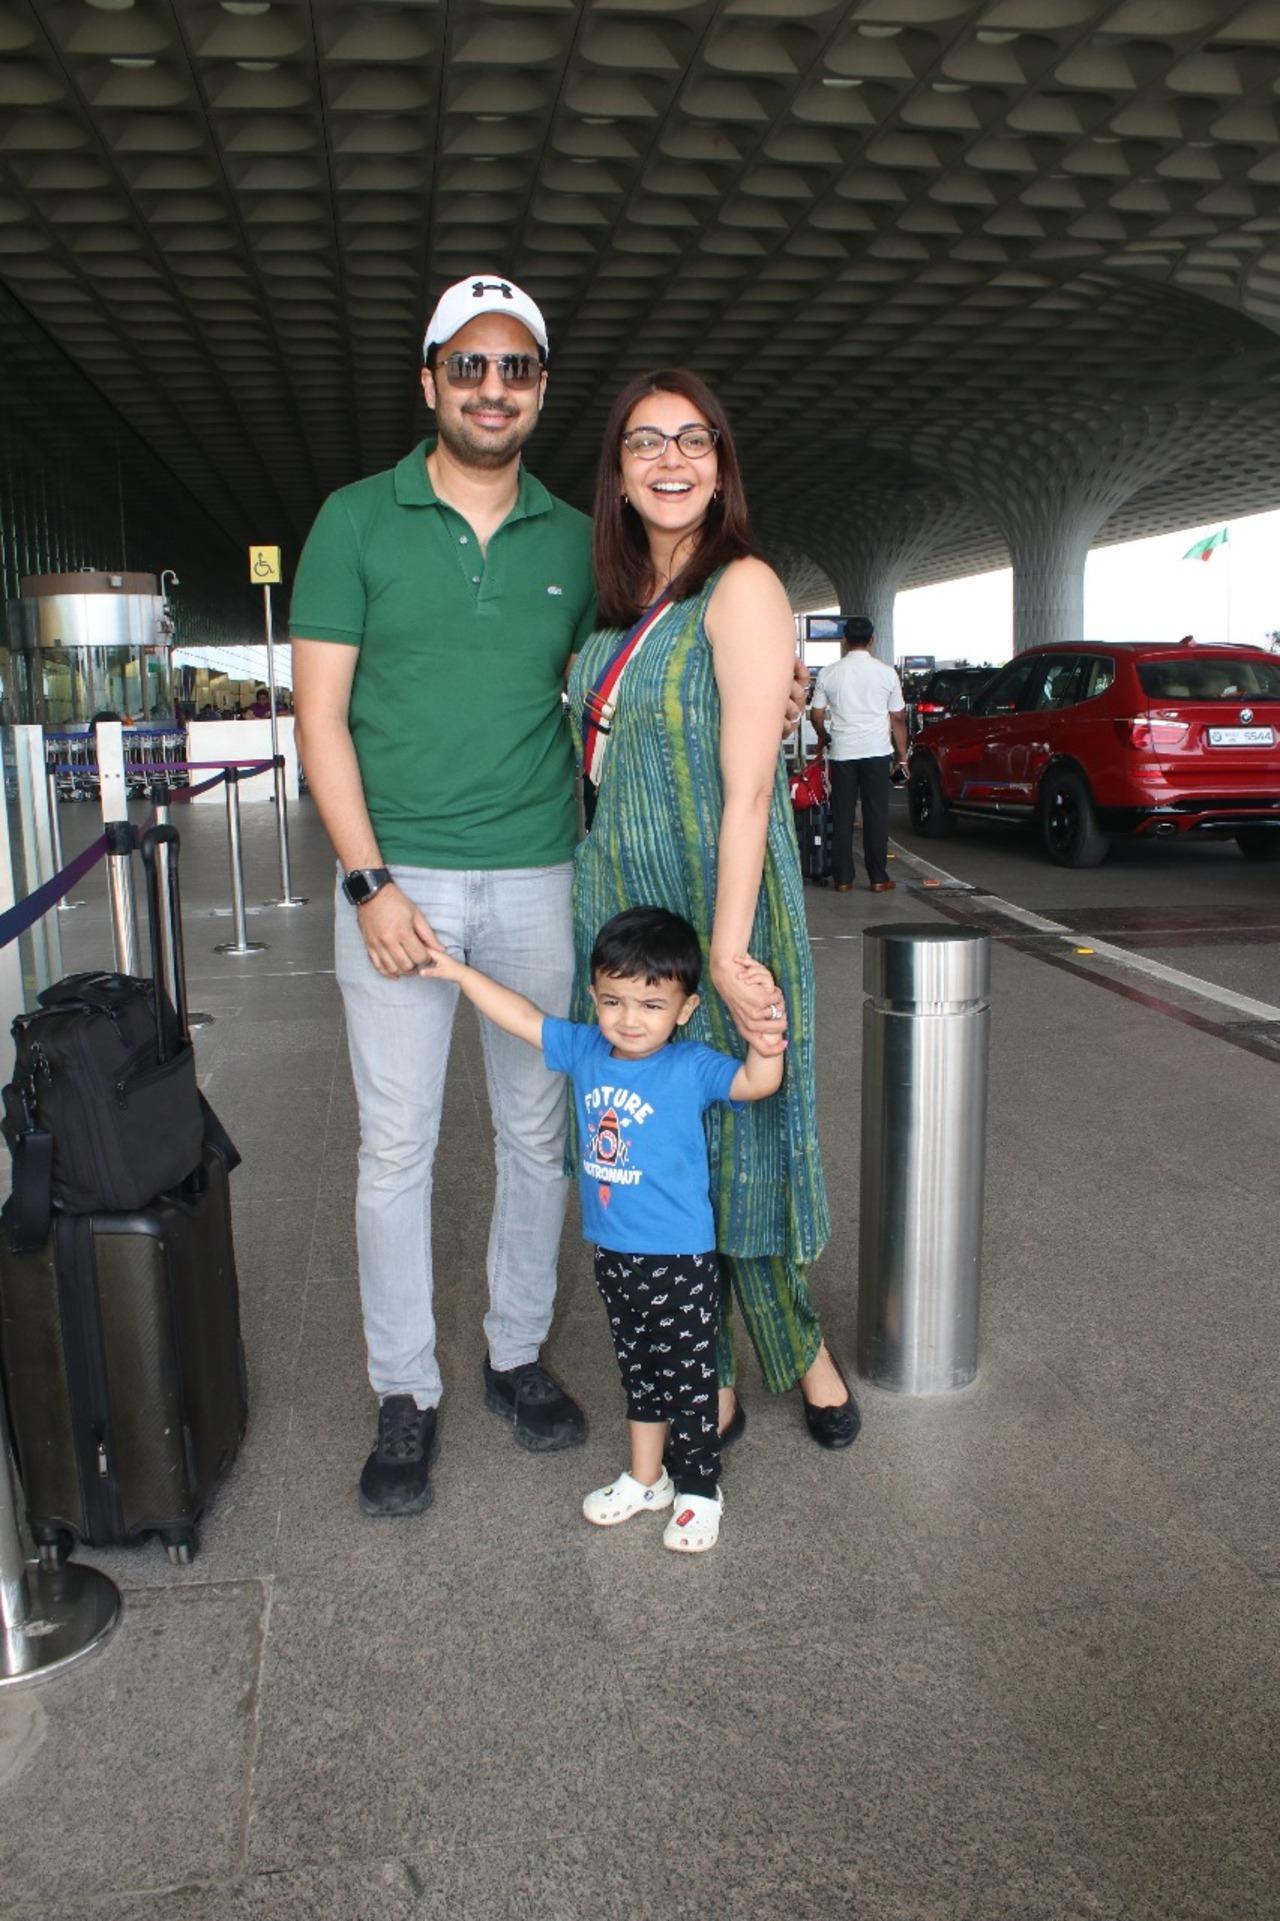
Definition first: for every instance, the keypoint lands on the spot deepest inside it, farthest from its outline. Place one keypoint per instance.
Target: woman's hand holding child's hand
(750, 993)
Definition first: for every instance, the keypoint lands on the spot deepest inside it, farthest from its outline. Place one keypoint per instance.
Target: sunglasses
(514, 370)
(646, 443)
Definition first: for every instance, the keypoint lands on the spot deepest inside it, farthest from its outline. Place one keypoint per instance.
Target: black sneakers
(396, 1477)
(544, 1416)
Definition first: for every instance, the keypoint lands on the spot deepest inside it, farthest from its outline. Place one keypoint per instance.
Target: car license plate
(1242, 737)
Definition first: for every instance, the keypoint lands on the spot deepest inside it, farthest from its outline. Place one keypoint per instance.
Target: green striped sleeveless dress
(654, 842)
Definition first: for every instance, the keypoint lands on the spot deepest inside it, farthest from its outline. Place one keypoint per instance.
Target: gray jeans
(515, 924)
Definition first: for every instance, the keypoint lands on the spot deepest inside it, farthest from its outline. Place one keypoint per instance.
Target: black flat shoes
(737, 1426)
(833, 1426)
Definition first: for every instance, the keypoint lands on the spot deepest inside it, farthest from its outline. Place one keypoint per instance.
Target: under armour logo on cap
(468, 299)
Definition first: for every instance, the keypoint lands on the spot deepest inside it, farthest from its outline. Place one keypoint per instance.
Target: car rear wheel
(926, 803)
(1259, 843)
(1068, 824)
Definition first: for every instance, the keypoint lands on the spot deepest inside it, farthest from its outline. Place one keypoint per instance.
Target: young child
(646, 1199)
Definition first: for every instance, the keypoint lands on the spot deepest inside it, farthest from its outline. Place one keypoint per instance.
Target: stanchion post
(44, 939)
(13, 993)
(240, 944)
(112, 792)
(55, 828)
(113, 795)
(48, 1617)
(121, 841)
(287, 896)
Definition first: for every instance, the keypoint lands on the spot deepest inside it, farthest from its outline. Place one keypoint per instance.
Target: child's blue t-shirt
(643, 1173)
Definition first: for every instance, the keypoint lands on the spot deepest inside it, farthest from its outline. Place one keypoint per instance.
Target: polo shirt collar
(413, 486)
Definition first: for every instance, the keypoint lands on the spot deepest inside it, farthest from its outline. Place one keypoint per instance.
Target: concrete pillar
(870, 537)
(1051, 481)
(1048, 582)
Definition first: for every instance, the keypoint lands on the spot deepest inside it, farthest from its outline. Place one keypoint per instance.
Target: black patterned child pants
(662, 1309)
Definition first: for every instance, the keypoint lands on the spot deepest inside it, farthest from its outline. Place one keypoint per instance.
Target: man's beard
(471, 448)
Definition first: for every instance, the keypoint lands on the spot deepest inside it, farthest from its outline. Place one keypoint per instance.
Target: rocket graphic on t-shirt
(607, 1144)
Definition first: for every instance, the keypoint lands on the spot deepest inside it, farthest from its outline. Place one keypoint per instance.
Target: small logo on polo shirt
(555, 590)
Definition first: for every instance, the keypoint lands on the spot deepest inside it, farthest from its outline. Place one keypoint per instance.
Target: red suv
(1092, 739)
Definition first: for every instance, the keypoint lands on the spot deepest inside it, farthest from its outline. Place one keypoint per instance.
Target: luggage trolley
(149, 748)
(71, 755)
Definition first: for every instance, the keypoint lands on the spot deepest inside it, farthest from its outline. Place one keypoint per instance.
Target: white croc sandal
(606, 1506)
(695, 1525)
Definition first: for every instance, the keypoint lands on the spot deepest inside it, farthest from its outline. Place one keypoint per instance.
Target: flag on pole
(1203, 548)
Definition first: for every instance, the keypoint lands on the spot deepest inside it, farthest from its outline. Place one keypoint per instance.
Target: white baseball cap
(484, 293)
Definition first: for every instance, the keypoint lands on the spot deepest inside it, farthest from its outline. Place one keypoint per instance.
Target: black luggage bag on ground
(121, 1351)
(813, 831)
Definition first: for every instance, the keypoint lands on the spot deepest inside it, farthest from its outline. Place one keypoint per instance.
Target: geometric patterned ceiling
(919, 246)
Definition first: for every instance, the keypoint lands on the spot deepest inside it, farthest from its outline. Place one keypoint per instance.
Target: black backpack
(124, 1121)
(103, 1112)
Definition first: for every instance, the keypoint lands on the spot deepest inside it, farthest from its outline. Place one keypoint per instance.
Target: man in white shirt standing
(860, 718)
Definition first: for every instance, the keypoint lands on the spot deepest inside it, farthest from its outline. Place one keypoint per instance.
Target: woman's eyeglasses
(514, 370)
(646, 443)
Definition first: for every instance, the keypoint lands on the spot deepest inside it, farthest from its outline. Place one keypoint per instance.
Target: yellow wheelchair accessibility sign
(264, 566)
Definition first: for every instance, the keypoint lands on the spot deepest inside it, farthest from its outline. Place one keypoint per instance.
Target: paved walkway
(1012, 1658)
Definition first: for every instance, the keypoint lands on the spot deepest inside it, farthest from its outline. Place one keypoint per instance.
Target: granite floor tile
(365, 1891)
(271, 995)
(1158, 1715)
(130, 1769)
(885, 1765)
(332, 1252)
(1017, 1501)
(398, 1711)
(289, 1050)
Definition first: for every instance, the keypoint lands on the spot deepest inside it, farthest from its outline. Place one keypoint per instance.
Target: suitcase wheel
(181, 1548)
(53, 1546)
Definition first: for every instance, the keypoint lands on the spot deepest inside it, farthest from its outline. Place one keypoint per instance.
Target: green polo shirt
(456, 710)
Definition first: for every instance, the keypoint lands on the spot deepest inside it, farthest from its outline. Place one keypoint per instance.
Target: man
(868, 726)
(457, 558)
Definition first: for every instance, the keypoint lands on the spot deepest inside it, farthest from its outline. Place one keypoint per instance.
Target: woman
(681, 736)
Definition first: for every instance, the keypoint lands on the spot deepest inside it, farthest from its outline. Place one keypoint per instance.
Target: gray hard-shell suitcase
(120, 1346)
(124, 1369)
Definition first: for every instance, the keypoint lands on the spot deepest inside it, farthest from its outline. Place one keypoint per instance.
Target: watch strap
(360, 884)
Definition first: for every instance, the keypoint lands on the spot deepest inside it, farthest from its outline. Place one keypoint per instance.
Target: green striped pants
(782, 1322)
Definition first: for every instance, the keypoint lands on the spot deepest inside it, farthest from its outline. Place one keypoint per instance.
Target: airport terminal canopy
(978, 282)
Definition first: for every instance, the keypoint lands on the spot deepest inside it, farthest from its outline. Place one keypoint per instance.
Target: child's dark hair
(648, 944)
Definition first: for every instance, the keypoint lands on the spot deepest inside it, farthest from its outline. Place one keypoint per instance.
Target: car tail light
(1153, 734)
(930, 707)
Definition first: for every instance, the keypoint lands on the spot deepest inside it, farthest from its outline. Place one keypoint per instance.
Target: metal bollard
(121, 841)
(48, 1617)
(55, 828)
(925, 1033)
(240, 945)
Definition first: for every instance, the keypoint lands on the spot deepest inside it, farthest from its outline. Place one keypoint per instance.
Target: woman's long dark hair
(619, 546)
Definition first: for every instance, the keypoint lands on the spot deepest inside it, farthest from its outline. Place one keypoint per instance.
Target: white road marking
(1120, 956)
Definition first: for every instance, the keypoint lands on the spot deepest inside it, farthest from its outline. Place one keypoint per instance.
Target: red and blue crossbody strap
(602, 697)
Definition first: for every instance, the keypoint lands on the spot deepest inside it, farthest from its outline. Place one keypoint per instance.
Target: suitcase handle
(154, 838)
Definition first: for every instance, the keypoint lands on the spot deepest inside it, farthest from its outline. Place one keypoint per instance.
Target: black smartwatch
(362, 883)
